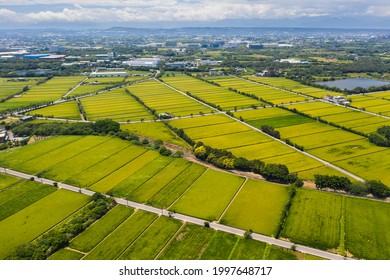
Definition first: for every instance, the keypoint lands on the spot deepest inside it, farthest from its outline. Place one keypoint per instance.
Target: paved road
(280, 141)
(181, 217)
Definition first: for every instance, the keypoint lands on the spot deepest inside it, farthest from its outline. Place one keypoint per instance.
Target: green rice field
(258, 207)
(269, 94)
(209, 195)
(12, 86)
(65, 110)
(163, 99)
(227, 100)
(116, 105)
(37, 218)
(314, 219)
(49, 91)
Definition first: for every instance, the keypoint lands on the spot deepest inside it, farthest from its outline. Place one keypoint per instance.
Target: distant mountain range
(367, 22)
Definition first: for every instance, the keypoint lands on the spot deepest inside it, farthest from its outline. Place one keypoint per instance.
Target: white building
(108, 74)
(143, 62)
(337, 100)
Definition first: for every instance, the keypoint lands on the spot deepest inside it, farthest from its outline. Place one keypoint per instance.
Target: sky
(177, 13)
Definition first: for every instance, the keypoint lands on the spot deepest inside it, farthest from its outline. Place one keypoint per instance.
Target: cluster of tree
(59, 237)
(292, 144)
(100, 127)
(226, 160)
(270, 131)
(381, 137)
(374, 187)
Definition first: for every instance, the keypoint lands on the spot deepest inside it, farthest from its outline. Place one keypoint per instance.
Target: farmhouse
(337, 100)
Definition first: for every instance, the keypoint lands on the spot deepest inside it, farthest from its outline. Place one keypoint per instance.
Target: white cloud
(182, 10)
(381, 11)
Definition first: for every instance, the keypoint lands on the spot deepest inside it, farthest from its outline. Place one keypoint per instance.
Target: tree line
(381, 137)
(339, 183)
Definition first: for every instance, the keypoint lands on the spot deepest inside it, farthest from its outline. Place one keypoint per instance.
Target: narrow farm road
(181, 217)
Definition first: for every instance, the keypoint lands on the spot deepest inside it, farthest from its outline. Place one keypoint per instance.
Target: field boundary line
(76, 155)
(108, 235)
(205, 246)
(266, 252)
(247, 145)
(74, 88)
(234, 248)
(170, 181)
(138, 236)
(177, 199)
(233, 198)
(55, 149)
(116, 170)
(185, 218)
(170, 239)
(380, 151)
(328, 145)
(99, 162)
(11, 186)
(154, 174)
(207, 125)
(74, 250)
(225, 134)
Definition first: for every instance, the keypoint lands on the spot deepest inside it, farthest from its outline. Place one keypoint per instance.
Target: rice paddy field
(155, 130)
(293, 86)
(65, 110)
(111, 165)
(339, 147)
(49, 91)
(144, 236)
(314, 219)
(122, 233)
(12, 86)
(89, 88)
(270, 94)
(378, 103)
(356, 120)
(209, 196)
(227, 100)
(222, 132)
(116, 105)
(166, 100)
(258, 207)
(34, 219)
(326, 220)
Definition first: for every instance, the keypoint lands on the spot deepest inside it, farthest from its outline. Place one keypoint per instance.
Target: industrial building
(107, 74)
(143, 62)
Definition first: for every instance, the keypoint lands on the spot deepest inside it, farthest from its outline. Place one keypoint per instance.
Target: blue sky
(189, 12)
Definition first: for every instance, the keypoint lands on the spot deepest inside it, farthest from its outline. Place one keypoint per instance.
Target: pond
(354, 83)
